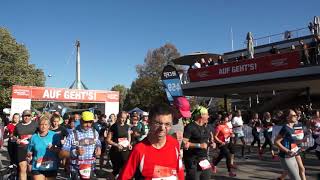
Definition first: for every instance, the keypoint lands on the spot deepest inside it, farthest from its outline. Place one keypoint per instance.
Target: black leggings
(256, 138)
(118, 160)
(12, 150)
(230, 146)
(197, 174)
(267, 141)
(224, 152)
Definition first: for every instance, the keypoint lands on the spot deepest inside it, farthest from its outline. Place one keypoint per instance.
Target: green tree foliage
(147, 89)
(144, 93)
(156, 60)
(15, 68)
(123, 93)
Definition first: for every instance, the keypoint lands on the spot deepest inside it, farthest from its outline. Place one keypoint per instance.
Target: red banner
(63, 95)
(259, 65)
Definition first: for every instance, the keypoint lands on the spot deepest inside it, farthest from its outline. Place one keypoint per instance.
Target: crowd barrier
(275, 130)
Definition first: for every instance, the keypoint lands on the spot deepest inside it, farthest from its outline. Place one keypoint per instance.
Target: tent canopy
(136, 109)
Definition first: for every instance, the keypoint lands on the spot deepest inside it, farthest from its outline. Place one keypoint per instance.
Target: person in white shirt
(237, 124)
(196, 65)
(231, 147)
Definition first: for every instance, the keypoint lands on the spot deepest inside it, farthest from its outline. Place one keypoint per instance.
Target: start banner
(259, 65)
(63, 95)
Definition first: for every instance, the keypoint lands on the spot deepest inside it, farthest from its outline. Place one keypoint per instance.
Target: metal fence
(275, 130)
(280, 36)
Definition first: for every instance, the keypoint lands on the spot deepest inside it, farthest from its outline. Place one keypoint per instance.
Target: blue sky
(116, 35)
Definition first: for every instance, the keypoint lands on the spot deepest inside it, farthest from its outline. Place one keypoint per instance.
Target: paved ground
(249, 169)
(253, 168)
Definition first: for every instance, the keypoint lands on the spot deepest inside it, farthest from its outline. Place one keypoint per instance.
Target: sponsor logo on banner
(113, 96)
(171, 81)
(170, 74)
(21, 92)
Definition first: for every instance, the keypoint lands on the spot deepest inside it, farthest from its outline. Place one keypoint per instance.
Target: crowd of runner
(169, 142)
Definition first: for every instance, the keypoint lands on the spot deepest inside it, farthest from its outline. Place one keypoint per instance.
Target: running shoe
(232, 174)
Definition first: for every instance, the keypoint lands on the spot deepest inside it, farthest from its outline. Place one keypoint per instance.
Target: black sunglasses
(27, 115)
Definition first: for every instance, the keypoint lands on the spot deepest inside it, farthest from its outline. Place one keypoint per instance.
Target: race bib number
(85, 171)
(123, 142)
(44, 164)
(164, 173)
(205, 164)
(294, 148)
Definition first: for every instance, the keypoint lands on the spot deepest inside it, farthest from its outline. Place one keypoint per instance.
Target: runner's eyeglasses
(158, 124)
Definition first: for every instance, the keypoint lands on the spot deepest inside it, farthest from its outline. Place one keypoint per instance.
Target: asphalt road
(249, 169)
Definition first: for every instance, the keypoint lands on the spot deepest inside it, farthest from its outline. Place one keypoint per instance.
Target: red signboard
(63, 95)
(259, 65)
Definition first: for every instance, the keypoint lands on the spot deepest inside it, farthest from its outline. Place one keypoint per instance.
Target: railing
(279, 37)
(313, 58)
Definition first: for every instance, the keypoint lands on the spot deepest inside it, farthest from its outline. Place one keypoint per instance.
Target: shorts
(21, 154)
(45, 173)
(231, 148)
(239, 134)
